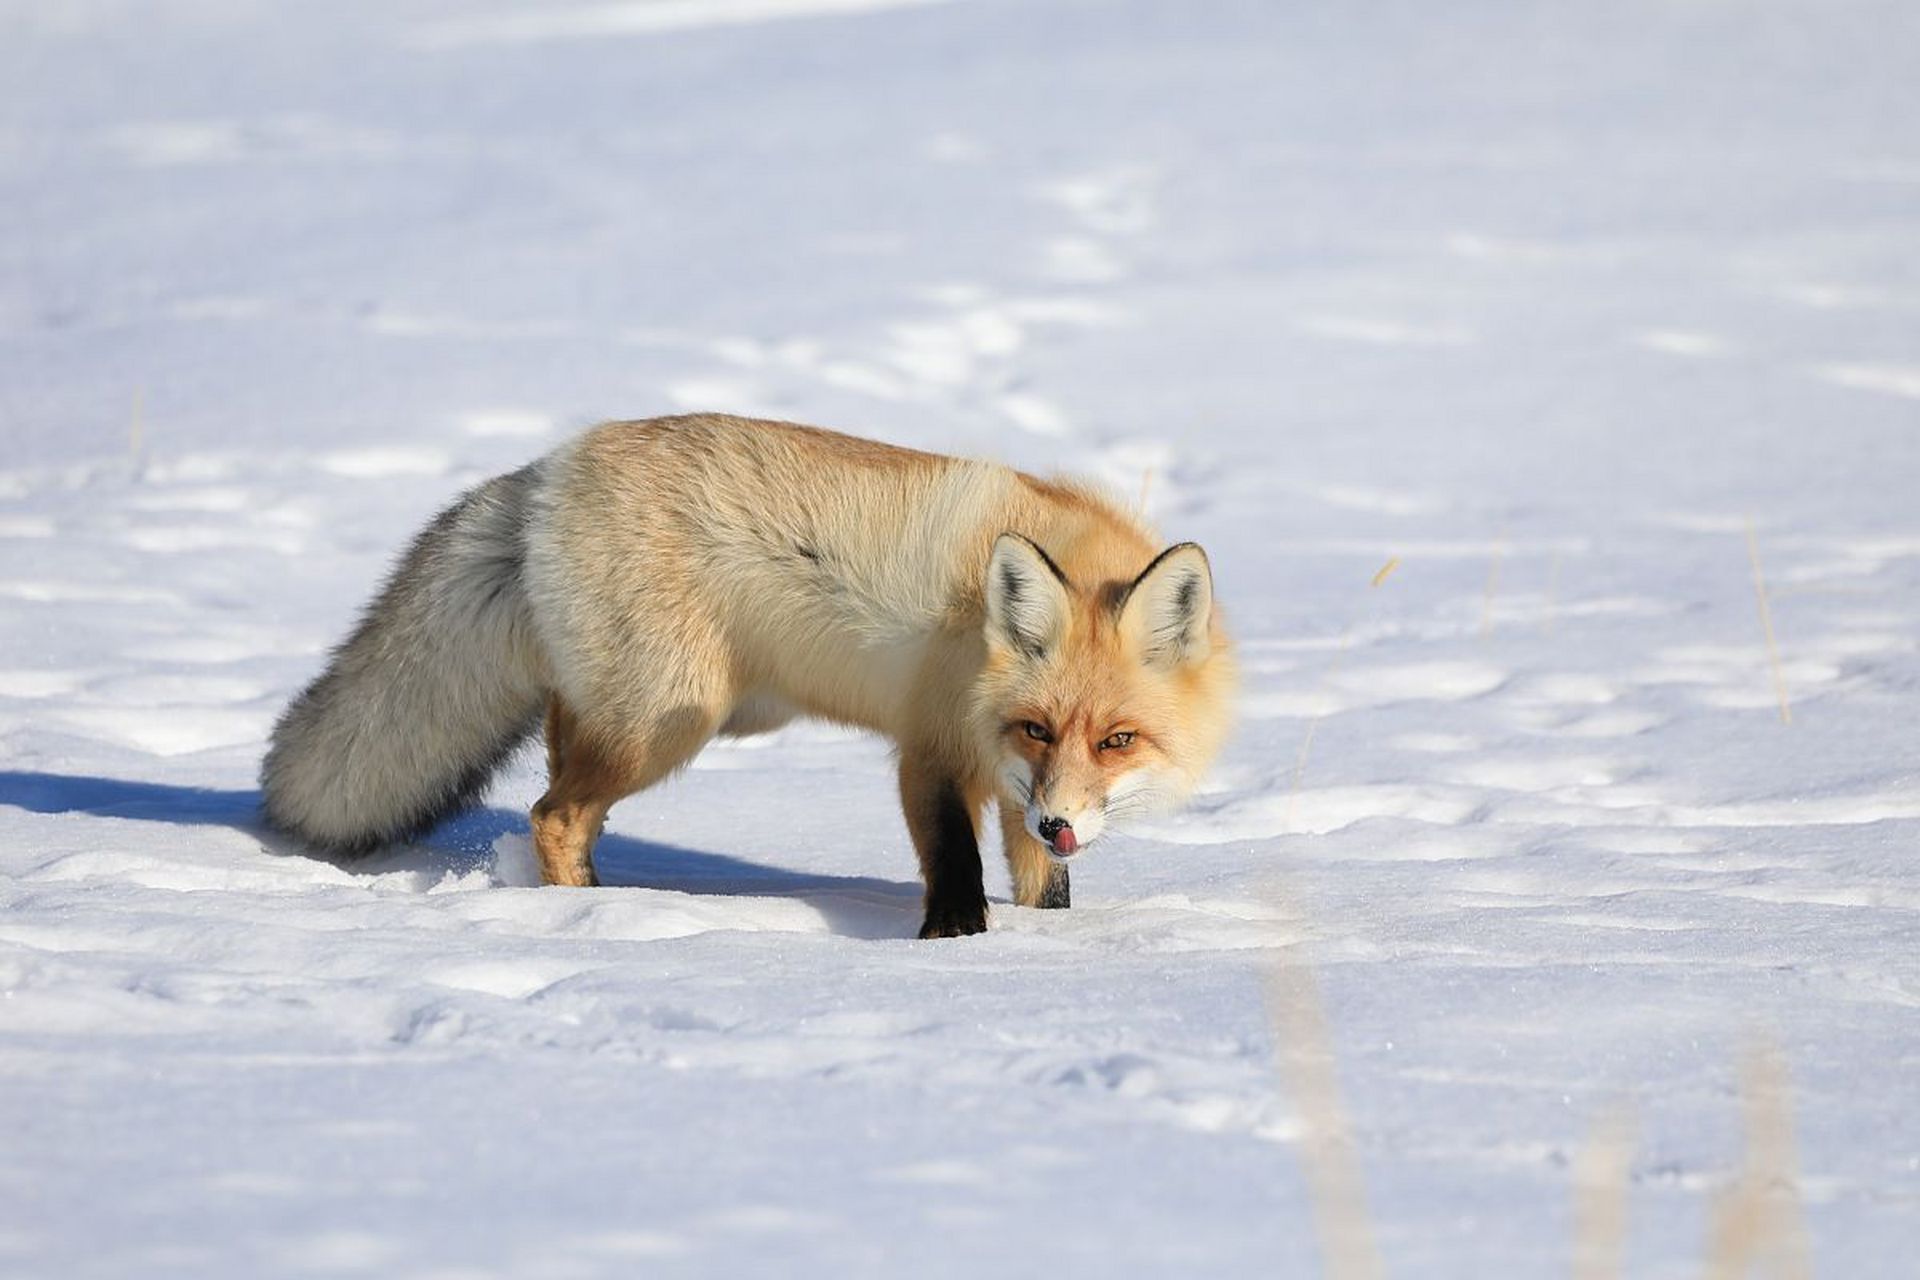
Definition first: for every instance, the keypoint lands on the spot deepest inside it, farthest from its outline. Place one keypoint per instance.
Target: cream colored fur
(654, 583)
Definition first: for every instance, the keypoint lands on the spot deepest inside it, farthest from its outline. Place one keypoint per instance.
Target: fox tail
(441, 680)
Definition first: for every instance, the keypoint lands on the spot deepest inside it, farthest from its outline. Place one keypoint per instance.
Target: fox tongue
(1063, 841)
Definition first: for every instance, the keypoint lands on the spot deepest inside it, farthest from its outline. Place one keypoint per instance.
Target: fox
(649, 585)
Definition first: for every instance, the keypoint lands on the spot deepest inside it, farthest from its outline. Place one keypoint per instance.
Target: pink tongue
(1063, 841)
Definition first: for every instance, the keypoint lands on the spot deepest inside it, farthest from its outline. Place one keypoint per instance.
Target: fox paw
(955, 919)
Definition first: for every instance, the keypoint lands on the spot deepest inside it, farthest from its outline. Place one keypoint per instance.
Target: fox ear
(1169, 606)
(1026, 598)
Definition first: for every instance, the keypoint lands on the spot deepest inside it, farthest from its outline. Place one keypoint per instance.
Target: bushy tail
(441, 680)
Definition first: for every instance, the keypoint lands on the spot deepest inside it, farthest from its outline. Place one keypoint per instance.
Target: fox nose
(1059, 833)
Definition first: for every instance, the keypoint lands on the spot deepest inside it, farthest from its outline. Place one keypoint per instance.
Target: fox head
(1104, 699)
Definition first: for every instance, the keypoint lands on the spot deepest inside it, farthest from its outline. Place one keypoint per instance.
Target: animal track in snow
(172, 731)
(1433, 844)
(1107, 206)
(507, 422)
(1081, 260)
(171, 689)
(1435, 743)
(30, 683)
(1354, 687)
(1612, 723)
(1684, 342)
(1315, 811)
(535, 24)
(1564, 688)
(1887, 379)
(512, 980)
(1166, 924)
(1382, 332)
(1386, 502)
(212, 499)
(1575, 706)
(18, 526)
(183, 538)
(67, 592)
(1115, 202)
(390, 460)
(938, 1173)
(1735, 677)
(217, 644)
(963, 345)
(285, 137)
(1533, 773)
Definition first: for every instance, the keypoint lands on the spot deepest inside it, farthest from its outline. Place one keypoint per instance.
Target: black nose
(1051, 828)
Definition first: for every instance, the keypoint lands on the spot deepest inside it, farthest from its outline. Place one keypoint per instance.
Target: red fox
(651, 584)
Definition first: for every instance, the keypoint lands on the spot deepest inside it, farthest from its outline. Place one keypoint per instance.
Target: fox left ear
(1169, 606)
(1027, 601)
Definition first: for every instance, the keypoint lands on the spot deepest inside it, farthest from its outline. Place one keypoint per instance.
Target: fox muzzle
(1058, 833)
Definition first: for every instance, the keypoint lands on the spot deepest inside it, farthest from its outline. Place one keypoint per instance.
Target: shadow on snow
(854, 906)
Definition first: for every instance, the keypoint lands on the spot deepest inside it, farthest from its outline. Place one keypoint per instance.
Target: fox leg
(1038, 881)
(568, 818)
(564, 832)
(586, 776)
(943, 817)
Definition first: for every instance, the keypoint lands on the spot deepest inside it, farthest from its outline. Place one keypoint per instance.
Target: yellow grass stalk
(1766, 624)
(1493, 584)
(1304, 1050)
(1761, 1218)
(1600, 1196)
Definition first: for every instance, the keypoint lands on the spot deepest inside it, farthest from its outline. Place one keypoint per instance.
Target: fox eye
(1117, 741)
(1037, 731)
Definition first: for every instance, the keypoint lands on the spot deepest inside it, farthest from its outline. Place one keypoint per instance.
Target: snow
(1551, 307)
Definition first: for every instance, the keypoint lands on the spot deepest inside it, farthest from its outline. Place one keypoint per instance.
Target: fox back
(1023, 641)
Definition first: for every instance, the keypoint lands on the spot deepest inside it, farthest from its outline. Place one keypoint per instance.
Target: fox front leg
(944, 821)
(1039, 880)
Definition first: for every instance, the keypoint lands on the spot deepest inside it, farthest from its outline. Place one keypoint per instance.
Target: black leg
(950, 860)
(1056, 894)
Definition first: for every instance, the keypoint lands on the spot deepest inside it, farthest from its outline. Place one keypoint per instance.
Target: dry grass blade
(1766, 624)
(1761, 1217)
(1305, 1053)
(1600, 1196)
(1553, 593)
(1493, 584)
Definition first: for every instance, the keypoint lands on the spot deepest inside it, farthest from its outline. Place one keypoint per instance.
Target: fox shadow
(852, 906)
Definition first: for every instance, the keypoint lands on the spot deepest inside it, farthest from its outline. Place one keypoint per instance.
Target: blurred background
(1479, 248)
(1582, 315)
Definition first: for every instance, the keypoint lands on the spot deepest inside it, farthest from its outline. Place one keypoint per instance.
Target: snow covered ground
(1552, 304)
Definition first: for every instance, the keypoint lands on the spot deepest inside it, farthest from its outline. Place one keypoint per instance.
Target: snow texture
(1552, 304)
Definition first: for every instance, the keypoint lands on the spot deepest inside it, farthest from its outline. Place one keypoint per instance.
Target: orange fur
(652, 584)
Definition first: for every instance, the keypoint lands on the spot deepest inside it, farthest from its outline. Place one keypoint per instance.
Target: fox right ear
(1027, 599)
(1169, 606)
